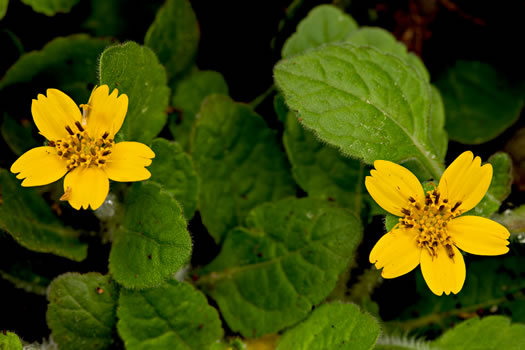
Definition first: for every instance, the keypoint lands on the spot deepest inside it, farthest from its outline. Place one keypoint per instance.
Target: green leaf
(269, 275)
(173, 170)
(499, 188)
(9, 341)
(369, 104)
(106, 18)
(387, 43)
(81, 311)
(68, 63)
(280, 107)
(333, 326)
(174, 316)
(174, 36)
(187, 100)
(18, 134)
(480, 102)
(51, 7)
(489, 333)
(324, 24)
(438, 138)
(514, 221)
(239, 163)
(321, 170)
(135, 71)
(152, 242)
(38, 229)
(3, 8)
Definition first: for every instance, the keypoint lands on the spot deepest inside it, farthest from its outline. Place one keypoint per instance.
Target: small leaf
(68, 63)
(174, 36)
(269, 275)
(321, 170)
(333, 326)
(385, 42)
(172, 316)
(369, 104)
(479, 101)
(18, 135)
(187, 99)
(489, 333)
(3, 8)
(239, 163)
(500, 186)
(514, 220)
(9, 341)
(135, 71)
(37, 229)
(173, 170)
(324, 24)
(152, 242)
(51, 7)
(81, 311)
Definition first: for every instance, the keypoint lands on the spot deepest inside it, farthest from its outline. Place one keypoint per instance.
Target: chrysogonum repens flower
(431, 227)
(82, 145)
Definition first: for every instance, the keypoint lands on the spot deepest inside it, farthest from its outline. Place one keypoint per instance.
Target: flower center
(431, 220)
(79, 149)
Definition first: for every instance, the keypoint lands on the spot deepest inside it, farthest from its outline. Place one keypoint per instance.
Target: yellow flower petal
(396, 252)
(466, 181)
(53, 113)
(39, 166)
(391, 186)
(477, 235)
(128, 161)
(442, 273)
(105, 112)
(86, 187)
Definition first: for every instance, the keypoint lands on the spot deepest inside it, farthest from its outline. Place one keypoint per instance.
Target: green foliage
(480, 102)
(152, 242)
(135, 71)
(51, 7)
(369, 104)
(3, 8)
(19, 136)
(38, 229)
(514, 220)
(490, 333)
(173, 170)
(324, 24)
(499, 188)
(174, 36)
(172, 316)
(82, 310)
(333, 326)
(239, 164)
(9, 341)
(321, 170)
(288, 259)
(187, 100)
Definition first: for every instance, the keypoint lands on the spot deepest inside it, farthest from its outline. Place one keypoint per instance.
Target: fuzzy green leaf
(81, 311)
(10, 341)
(369, 104)
(173, 170)
(513, 220)
(239, 163)
(38, 229)
(324, 24)
(499, 188)
(174, 36)
(269, 275)
(3, 8)
(173, 316)
(152, 242)
(135, 71)
(187, 100)
(51, 7)
(321, 170)
(479, 101)
(385, 42)
(18, 135)
(68, 63)
(489, 333)
(333, 326)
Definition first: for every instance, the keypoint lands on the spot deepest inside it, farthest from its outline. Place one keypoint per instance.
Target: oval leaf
(51, 7)
(9, 341)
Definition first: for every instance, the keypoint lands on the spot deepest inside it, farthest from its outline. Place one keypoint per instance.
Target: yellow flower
(430, 229)
(82, 145)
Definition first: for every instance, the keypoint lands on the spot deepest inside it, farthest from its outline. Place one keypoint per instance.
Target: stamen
(68, 129)
(106, 134)
(79, 126)
(405, 211)
(411, 199)
(458, 203)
